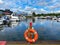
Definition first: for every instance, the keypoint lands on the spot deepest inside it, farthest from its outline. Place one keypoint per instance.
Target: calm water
(47, 30)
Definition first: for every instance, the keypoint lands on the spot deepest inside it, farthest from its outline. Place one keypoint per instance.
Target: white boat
(22, 18)
(54, 18)
(1, 20)
(14, 18)
(58, 19)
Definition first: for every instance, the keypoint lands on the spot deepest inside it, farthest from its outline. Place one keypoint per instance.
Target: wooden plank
(37, 43)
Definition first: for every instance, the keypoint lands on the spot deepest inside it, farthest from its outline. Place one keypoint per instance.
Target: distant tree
(33, 14)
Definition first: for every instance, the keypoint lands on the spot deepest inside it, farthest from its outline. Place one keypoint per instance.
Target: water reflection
(47, 30)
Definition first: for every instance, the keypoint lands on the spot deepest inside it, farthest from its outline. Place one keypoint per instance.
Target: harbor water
(47, 30)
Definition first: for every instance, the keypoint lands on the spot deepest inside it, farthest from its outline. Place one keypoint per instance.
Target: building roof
(6, 12)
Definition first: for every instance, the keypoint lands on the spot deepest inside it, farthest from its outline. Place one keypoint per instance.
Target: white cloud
(53, 7)
(54, 0)
(43, 10)
(8, 4)
(31, 9)
(17, 5)
(58, 11)
(28, 8)
(42, 3)
(1, 1)
(45, 3)
(17, 9)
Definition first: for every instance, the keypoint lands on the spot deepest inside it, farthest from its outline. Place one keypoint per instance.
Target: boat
(6, 21)
(1, 21)
(22, 18)
(14, 18)
(54, 19)
(58, 19)
(1, 24)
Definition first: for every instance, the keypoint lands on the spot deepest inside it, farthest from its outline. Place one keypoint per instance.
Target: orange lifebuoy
(29, 39)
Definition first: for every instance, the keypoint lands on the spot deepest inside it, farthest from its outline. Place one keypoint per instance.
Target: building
(7, 12)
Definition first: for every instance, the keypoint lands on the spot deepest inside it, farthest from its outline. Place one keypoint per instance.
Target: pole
(30, 25)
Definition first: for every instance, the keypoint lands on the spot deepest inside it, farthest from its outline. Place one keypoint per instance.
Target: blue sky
(38, 6)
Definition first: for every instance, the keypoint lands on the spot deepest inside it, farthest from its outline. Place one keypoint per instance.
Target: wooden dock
(37, 43)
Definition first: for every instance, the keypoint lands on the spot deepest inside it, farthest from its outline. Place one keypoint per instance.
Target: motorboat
(14, 18)
(1, 21)
(22, 18)
(58, 19)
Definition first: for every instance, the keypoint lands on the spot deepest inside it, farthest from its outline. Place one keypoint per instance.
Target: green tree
(33, 14)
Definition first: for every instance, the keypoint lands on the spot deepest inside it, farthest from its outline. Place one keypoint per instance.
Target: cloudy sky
(38, 6)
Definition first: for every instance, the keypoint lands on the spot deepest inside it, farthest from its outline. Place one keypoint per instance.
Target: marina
(29, 22)
(45, 31)
(45, 28)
